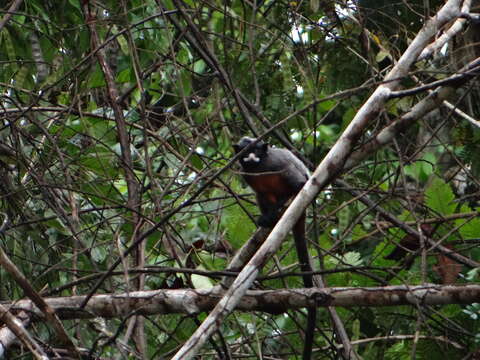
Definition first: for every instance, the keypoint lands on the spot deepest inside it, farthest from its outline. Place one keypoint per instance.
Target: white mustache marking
(251, 157)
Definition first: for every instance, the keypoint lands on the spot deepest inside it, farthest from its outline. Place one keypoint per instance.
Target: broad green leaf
(96, 78)
(200, 281)
(439, 197)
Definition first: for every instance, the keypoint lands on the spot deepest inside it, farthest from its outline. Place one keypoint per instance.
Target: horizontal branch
(455, 80)
(189, 301)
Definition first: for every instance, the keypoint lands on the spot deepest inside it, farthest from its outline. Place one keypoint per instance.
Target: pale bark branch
(453, 30)
(402, 338)
(431, 102)
(462, 114)
(29, 291)
(191, 301)
(9, 13)
(16, 327)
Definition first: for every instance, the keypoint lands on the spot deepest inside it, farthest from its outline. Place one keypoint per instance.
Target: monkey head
(255, 153)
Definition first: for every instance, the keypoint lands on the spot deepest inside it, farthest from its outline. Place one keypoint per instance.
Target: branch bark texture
(190, 301)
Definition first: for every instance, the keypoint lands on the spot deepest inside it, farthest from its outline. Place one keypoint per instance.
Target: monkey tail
(305, 266)
(302, 250)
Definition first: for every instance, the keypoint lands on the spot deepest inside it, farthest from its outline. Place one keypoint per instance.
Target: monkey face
(251, 158)
(255, 151)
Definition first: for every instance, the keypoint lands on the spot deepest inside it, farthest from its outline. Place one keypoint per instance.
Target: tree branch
(191, 301)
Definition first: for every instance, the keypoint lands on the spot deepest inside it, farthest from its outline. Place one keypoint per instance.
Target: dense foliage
(118, 119)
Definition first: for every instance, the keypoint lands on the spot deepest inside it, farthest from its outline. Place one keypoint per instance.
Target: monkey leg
(270, 207)
(268, 219)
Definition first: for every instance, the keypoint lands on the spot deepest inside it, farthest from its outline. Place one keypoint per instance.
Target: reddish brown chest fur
(271, 186)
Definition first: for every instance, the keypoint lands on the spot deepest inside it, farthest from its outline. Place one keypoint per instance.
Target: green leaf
(99, 254)
(96, 78)
(7, 41)
(199, 66)
(124, 76)
(200, 281)
(439, 197)
(352, 259)
(469, 228)
(75, 4)
(238, 224)
(314, 5)
(423, 168)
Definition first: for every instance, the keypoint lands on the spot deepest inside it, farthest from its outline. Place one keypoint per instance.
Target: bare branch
(15, 5)
(189, 301)
(49, 313)
(21, 333)
(457, 26)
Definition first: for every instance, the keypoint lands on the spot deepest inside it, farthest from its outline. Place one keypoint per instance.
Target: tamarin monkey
(276, 175)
